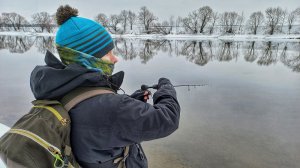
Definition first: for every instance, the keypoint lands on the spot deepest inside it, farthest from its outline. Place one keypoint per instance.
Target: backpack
(41, 138)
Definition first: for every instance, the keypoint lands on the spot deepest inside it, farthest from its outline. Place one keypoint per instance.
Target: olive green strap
(80, 94)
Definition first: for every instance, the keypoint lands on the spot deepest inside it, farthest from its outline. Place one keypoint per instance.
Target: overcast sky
(161, 8)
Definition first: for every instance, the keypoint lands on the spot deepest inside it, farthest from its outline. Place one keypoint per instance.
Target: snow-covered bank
(243, 37)
(26, 34)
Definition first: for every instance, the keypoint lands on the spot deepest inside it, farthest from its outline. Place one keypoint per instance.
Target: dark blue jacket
(104, 124)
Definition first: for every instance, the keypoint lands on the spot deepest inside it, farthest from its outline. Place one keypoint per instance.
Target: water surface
(248, 116)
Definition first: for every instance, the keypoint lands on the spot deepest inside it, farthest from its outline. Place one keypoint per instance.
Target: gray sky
(161, 8)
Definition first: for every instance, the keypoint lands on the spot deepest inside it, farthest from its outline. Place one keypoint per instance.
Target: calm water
(247, 117)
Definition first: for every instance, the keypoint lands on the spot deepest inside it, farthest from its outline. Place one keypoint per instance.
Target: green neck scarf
(70, 56)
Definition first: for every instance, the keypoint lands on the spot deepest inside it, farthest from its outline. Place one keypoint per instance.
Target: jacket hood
(54, 80)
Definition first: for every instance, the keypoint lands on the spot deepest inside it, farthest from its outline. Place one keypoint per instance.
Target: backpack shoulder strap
(80, 94)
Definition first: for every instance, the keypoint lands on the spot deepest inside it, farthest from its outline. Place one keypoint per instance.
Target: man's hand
(163, 82)
(142, 95)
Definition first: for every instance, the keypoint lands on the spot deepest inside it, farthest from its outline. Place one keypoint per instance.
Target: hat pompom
(64, 13)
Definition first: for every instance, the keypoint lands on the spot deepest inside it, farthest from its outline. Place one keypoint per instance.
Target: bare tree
(229, 21)
(54, 19)
(124, 19)
(14, 20)
(165, 27)
(213, 22)
(146, 18)
(171, 22)
(113, 23)
(197, 20)
(256, 19)
(131, 18)
(190, 23)
(274, 18)
(298, 11)
(240, 21)
(102, 19)
(292, 18)
(178, 23)
(43, 21)
(1, 23)
(285, 12)
(205, 15)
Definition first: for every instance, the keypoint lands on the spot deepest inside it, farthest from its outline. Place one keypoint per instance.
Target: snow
(243, 37)
(26, 34)
(3, 130)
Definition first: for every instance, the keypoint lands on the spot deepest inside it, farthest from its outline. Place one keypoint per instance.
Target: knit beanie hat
(80, 40)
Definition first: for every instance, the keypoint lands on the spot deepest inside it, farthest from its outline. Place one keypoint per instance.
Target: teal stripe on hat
(97, 50)
(87, 38)
(94, 40)
(77, 35)
(96, 44)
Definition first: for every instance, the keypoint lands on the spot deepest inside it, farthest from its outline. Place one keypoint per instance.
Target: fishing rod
(155, 86)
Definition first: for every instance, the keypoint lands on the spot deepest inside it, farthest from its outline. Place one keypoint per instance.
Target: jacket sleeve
(139, 121)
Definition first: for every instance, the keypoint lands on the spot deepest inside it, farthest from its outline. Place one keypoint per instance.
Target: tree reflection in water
(250, 53)
(16, 44)
(228, 51)
(198, 52)
(195, 52)
(269, 54)
(125, 49)
(291, 61)
(2, 42)
(150, 48)
(145, 49)
(45, 43)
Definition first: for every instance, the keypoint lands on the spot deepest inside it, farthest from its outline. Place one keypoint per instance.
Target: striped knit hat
(81, 34)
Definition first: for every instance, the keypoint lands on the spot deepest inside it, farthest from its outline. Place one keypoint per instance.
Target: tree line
(205, 20)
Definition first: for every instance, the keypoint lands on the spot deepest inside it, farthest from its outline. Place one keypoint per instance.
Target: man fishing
(107, 129)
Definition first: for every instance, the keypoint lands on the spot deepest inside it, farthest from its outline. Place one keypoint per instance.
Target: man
(107, 129)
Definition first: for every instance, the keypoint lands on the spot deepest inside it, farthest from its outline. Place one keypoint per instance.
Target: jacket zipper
(50, 148)
(63, 121)
(54, 151)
